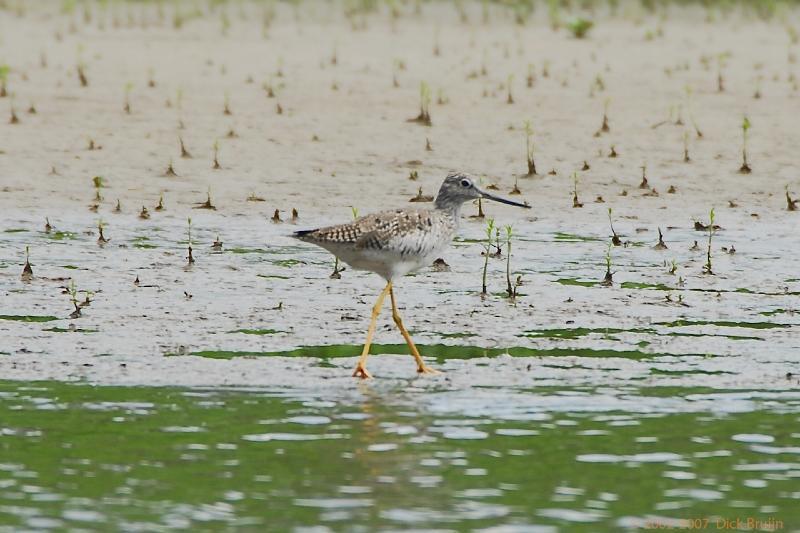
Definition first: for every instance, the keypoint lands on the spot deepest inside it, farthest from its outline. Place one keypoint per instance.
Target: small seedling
(27, 270)
(276, 217)
(227, 109)
(118, 208)
(480, 213)
(14, 119)
(529, 148)
(644, 184)
(160, 206)
(101, 240)
(660, 244)
(511, 290)
(207, 204)
(745, 168)
(82, 75)
(575, 202)
(216, 246)
(720, 80)
(686, 158)
(424, 116)
(673, 267)
(515, 190)
(184, 152)
(604, 127)
(190, 259)
(4, 70)
(608, 279)
(615, 240)
(531, 78)
(47, 227)
(791, 205)
(509, 96)
(170, 172)
(73, 296)
(144, 214)
(216, 165)
(421, 197)
(428, 147)
(253, 198)
(487, 247)
(98, 184)
(580, 27)
(711, 229)
(127, 106)
(585, 166)
(613, 152)
(413, 175)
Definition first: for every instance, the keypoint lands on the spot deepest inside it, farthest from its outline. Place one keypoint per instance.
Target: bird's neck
(452, 209)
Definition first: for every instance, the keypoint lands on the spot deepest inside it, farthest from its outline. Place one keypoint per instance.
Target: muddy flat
(240, 123)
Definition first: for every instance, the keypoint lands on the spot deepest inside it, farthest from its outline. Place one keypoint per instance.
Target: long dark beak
(488, 196)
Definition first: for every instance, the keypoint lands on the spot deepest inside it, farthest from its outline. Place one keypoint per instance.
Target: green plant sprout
(509, 96)
(745, 168)
(101, 240)
(4, 70)
(608, 279)
(707, 267)
(73, 297)
(604, 128)
(531, 78)
(580, 27)
(615, 240)
(660, 245)
(424, 116)
(791, 205)
(14, 119)
(529, 147)
(216, 165)
(184, 152)
(27, 270)
(98, 182)
(227, 109)
(673, 267)
(575, 202)
(510, 289)
(686, 158)
(189, 239)
(128, 89)
(691, 113)
(487, 247)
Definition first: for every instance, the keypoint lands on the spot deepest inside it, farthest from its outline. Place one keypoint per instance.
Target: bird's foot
(361, 372)
(424, 369)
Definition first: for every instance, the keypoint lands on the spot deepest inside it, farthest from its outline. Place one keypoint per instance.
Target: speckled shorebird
(395, 242)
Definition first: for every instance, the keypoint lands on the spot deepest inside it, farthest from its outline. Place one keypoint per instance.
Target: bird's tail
(303, 234)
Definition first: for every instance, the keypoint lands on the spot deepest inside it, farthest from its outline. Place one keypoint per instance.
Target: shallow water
(545, 459)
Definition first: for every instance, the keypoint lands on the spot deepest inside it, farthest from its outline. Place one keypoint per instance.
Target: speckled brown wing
(370, 231)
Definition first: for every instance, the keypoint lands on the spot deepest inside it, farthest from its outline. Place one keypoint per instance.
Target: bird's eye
(465, 183)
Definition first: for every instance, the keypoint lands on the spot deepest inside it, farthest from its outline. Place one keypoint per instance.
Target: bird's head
(458, 188)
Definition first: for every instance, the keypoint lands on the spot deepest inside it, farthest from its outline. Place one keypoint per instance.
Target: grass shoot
(615, 240)
(529, 148)
(711, 229)
(745, 168)
(487, 248)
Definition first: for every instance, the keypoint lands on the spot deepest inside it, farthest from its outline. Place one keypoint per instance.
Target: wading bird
(395, 242)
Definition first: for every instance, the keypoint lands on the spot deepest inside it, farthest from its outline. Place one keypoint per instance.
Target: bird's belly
(388, 266)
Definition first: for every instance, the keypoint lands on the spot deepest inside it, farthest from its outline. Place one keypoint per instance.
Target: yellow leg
(421, 367)
(361, 369)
